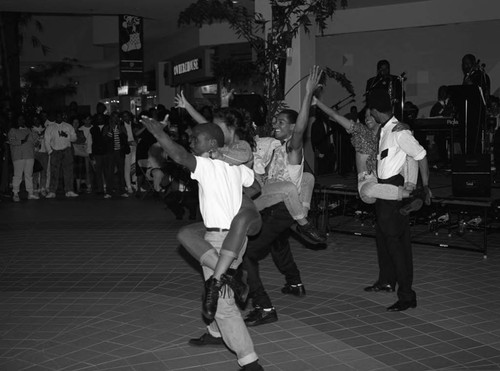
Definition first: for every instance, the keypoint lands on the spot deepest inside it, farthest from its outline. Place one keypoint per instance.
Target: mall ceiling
(158, 11)
(165, 12)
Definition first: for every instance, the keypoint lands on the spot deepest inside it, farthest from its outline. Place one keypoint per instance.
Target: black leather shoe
(414, 205)
(296, 290)
(259, 316)
(309, 232)
(415, 202)
(377, 286)
(206, 339)
(210, 297)
(400, 306)
(254, 366)
(237, 281)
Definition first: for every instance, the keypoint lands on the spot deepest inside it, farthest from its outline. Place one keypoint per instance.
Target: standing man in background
(390, 83)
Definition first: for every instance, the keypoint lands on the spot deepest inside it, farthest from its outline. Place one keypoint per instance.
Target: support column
(301, 57)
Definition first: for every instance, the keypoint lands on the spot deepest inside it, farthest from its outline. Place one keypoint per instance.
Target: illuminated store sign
(189, 66)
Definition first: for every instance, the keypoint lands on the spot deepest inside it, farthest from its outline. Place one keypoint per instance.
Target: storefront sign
(189, 66)
(192, 67)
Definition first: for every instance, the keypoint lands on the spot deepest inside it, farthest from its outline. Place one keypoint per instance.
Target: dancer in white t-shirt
(220, 196)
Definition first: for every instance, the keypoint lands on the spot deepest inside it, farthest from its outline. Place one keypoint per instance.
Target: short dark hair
(240, 120)
(212, 131)
(291, 114)
(379, 99)
(443, 92)
(383, 62)
(470, 57)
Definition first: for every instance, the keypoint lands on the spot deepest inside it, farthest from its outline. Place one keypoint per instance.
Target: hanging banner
(131, 50)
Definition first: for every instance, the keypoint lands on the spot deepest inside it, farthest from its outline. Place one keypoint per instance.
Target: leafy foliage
(289, 17)
(36, 82)
(25, 20)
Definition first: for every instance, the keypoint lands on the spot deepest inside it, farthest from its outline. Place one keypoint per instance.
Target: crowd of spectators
(66, 154)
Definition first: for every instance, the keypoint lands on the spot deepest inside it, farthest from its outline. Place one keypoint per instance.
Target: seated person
(287, 192)
(283, 177)
(364, 140)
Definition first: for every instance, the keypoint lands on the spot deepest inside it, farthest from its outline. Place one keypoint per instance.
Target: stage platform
(451, 222)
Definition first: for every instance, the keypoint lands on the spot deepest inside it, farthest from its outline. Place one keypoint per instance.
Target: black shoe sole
(262, 321)
(303, 238)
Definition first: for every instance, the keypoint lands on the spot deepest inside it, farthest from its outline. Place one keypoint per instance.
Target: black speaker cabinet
(471, 176)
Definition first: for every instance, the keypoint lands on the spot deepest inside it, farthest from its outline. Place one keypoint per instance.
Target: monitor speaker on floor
(471, 176)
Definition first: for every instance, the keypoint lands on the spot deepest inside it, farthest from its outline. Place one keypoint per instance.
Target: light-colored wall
(406, 14)
(430, 56)
(426, 39)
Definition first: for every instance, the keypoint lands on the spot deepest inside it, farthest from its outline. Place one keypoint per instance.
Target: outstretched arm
(181, 102)
(312, 83)
(423, 166)
(333, 114)
(174, 150)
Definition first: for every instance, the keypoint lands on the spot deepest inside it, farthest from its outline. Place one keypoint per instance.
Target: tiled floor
(93, 284)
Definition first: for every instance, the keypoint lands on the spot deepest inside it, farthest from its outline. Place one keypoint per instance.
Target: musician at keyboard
(443, 106)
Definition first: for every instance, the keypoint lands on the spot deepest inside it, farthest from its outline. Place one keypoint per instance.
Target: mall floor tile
(89, 284)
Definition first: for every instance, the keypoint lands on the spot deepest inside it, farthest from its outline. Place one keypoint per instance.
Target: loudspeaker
(471, 176)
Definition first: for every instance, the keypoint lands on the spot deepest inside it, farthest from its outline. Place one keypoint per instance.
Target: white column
(301, 58)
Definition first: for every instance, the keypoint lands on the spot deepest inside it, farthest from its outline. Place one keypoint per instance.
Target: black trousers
(116, 160)
(273, 238)
(394, 250)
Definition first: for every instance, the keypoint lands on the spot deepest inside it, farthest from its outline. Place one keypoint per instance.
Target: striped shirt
(116, 138)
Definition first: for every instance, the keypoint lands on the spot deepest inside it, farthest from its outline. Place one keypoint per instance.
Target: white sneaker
(51, 195)
(125, 195)
(16, 198)
(107, 195)
(71, 194)
(33, 197)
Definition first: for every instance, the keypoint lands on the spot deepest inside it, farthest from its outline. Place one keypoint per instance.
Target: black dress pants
(273, 238)
(393, 241)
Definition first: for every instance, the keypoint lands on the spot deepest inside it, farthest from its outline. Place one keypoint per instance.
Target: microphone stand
(337, 105)
(402, 78)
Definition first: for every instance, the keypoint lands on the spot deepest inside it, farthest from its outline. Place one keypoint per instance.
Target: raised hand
(314, 79)
(153, 126)
(180, 101)
(226, 96)
(400, 126)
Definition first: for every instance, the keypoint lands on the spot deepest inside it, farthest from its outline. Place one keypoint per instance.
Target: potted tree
(288, 18)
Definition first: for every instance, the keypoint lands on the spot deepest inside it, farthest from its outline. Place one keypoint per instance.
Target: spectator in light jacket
(58, 139)
(22, 148)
